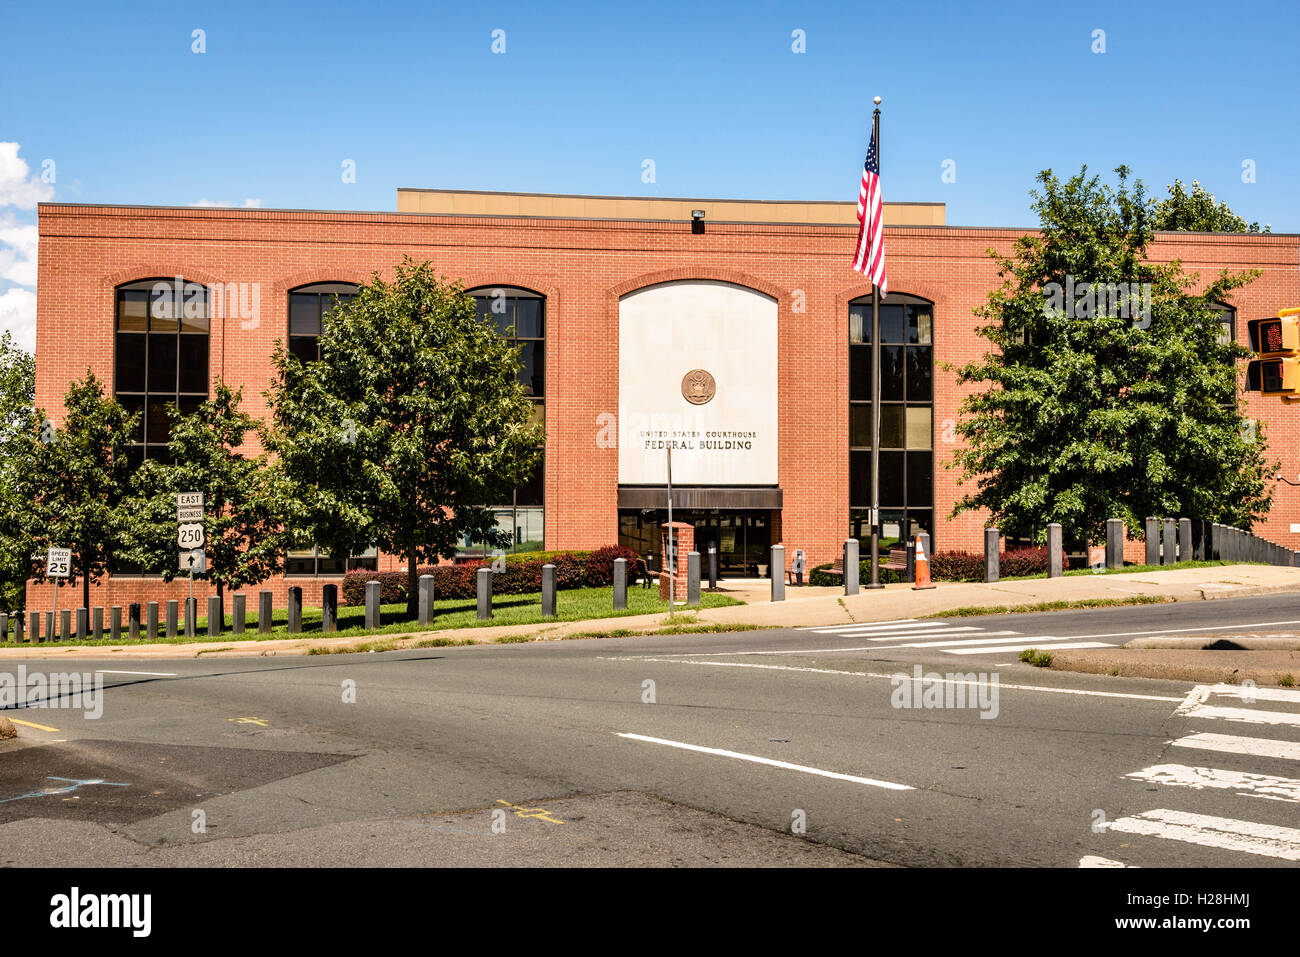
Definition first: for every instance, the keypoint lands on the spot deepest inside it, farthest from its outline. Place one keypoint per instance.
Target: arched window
(906, 419)
(160, 356)
(520, 316)
(308, 305)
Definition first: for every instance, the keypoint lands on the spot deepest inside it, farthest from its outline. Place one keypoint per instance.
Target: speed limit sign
(190, 536)
(58, 562)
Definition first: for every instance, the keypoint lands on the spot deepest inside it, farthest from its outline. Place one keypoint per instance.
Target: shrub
(952, 567)
(522, 575)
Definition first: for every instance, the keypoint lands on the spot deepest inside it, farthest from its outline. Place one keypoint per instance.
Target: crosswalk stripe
(1249, 715)
(938, 634)
(876, 626)
(1244, 783)
(1235, 744)
(1229, 834)
(977, 641)
(1259, 694)
(1092, 860)
(1068, 644)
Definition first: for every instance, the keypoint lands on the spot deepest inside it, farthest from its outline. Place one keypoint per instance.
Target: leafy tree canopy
(409, 424)
(1111, 393)
(1197, 211)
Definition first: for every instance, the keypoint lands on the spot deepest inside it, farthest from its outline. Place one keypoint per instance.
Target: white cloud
(16, 188)
(18, 315)
(249, 203)
(17, 251)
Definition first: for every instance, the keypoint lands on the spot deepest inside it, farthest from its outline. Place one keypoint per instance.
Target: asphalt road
(754, 748)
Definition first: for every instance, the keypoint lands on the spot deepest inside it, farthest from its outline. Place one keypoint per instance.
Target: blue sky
(583, 93)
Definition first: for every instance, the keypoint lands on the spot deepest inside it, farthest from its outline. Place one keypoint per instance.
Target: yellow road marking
(32, 724)
(258, 721)
(538, 813)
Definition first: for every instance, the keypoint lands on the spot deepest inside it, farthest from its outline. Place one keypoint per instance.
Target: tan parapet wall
(559, 206)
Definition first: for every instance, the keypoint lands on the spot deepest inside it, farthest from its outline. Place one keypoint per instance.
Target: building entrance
(743, 538)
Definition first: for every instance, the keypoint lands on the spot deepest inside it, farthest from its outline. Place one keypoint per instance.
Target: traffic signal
(1277, 340)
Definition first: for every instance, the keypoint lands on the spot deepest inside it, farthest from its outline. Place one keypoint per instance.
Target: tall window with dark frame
(520, 316)
(160, 357)
(906, 420)
(1227, 333)
(308, 307)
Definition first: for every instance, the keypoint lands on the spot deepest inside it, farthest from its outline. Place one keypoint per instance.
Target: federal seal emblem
(698, 387)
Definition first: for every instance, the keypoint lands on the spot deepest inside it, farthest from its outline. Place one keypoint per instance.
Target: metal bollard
(83, 624)
(265, 614)
(992, 560)
(35, 632)
(548, 591)
(115, 622)
(151, 621)
(97, 623)
(1168, 547)
(851, 566)
(4, 627)
(1152, 530)
(65, 624)
(295, 610)
(1054, 550)
(372, 605)
(51, 633)
(173, 609)
(216, 617)
(426, 600)
(692, 578)
(191, 616)
(329, 608)
(620, 584)
(777, 571)
(484, 594)
(239, 613)
(713, 567)
(1114, 543)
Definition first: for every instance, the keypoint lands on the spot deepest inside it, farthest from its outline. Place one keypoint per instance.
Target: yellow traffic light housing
(1277, 340)
(1276, 376)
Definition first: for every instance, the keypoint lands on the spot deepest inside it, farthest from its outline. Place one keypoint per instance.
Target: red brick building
(619, 305)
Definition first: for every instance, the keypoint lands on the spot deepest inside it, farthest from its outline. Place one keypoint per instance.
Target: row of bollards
(153, 619)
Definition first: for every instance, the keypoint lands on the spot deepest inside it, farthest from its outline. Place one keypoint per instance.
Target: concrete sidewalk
(803, 607)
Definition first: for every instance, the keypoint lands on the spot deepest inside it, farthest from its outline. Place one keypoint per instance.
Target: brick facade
(583, 266)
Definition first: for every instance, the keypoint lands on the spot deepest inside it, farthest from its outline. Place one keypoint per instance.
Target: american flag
(869, 256)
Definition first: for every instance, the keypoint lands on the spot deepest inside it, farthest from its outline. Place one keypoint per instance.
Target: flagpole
(875, 391)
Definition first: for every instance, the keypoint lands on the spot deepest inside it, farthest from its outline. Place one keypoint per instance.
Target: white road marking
(1235, 744)
(1245, 784)
(1249, 715)
(1248, 837)
(786, 765)
(876, 674)
(154, 674)
(970, 641)
(944, 634)
(1091, 860)
(1226, 629)
(863, 628)
(892, 623)
(1259, 694)
(1068, 644)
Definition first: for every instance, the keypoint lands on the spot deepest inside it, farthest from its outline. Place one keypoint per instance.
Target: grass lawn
(570, 605)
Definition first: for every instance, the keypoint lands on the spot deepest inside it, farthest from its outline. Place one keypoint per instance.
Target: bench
(897, 562)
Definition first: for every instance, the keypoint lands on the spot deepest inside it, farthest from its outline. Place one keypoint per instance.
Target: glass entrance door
(742, 537)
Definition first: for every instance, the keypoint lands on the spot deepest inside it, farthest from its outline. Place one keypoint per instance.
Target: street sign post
(190, 534)
(58, 565)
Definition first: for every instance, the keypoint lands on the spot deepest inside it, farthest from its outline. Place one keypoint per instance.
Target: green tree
(242, 520)
(17, 407)
(73, 482)
(411, 421)
(1198, 211)
(1086, 413)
